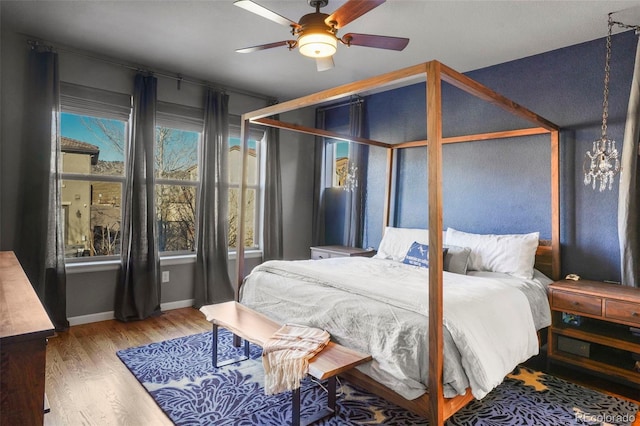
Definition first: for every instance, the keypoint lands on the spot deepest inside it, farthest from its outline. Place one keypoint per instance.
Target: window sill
(79, 267)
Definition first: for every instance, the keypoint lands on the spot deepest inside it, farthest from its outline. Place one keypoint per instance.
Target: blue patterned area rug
(179, 375)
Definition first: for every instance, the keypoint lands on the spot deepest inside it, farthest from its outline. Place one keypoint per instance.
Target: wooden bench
(256, 328)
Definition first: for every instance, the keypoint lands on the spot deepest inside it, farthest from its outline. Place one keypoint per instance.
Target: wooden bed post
(244, 153)
(555, 204)
(387, 189)
(434, 149)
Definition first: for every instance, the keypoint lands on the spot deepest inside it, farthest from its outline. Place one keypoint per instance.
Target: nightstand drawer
(572, 302)
(326, 252)
(317, 254)
(622, 311)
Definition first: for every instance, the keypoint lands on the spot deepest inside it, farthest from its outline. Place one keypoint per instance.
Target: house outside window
(92, 180)
(94, 129)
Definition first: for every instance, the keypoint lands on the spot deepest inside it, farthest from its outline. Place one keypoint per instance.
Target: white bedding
(380, 307)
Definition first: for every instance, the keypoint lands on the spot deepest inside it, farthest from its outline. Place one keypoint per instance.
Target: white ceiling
(198, 38)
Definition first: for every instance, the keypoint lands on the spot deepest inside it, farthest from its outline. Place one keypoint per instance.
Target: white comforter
(381, 307)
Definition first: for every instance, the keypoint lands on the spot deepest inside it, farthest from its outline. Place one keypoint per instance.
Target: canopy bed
(432, 404)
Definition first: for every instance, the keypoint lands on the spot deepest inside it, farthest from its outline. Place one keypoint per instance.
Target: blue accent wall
(503, 186)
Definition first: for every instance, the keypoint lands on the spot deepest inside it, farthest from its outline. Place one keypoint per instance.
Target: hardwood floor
(86, 382)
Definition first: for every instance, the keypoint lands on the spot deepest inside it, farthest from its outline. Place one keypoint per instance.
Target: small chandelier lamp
(351, 180)
(601, 164)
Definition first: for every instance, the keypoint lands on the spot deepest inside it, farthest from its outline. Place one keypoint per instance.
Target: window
(94, 138)
(93, 170)
(177, 169)
(340, 163)
(178, 147)
(177, 177)
(253, 193)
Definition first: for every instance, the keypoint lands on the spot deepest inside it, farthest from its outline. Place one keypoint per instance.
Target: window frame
(102, 104)
(258, 186)
(182, 117)
(181, 126)
(258, 134)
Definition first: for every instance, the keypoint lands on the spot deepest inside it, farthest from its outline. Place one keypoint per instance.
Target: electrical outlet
(165, 276)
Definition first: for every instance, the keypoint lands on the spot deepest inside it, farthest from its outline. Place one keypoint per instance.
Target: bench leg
(331, 397)
(214, 350)
(319, 415)
(295, 407)
(236, 341)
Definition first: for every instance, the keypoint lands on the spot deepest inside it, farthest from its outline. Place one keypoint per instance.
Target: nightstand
(325, 252)
(591, 327)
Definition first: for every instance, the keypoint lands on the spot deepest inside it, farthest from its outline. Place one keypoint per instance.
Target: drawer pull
(635, 314)
(574, 303)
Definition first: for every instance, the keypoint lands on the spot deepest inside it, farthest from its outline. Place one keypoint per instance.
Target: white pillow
(396, 242)
(513, 254)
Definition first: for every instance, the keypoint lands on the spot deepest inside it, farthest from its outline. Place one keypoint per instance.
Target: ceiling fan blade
(377, 41)
(324, 64)
(352, 10)
(265, 13)
(287, 43)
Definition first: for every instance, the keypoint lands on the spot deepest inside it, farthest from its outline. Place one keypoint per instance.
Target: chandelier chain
(607, 70)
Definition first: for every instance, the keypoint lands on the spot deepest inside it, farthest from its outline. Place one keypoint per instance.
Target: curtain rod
(357, 100)
(179, 78)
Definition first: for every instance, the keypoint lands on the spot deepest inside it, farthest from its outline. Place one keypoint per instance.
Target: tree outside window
(177, 177)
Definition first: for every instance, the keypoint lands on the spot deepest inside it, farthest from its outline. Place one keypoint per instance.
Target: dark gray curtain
(138, 288)
(212, 282)
(319, 184)
(629, 193)
(358, 156)
(272, 231)
(39, 244)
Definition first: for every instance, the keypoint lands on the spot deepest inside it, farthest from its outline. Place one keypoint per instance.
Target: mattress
(380, 307)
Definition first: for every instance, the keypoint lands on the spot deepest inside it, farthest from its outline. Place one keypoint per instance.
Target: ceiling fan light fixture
(317, 33)
(317, 44)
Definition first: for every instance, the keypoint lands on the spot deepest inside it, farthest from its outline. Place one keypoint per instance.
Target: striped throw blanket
(286, 355)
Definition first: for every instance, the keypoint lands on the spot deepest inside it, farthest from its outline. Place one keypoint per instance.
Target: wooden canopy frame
(433, 404)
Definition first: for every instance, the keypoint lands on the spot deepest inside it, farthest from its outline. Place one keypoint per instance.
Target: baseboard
(105, 316)
(86, 319)
(176, 305)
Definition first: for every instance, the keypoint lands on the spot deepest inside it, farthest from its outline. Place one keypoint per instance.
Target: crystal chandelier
(351, 180)
(601, 164)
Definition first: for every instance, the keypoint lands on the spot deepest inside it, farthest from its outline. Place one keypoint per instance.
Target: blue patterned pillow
(418, 255)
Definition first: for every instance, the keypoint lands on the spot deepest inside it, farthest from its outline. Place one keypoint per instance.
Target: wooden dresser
(24, 328)
(325, 252)
(591, 327)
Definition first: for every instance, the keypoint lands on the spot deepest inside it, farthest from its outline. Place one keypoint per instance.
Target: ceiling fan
(317, 33)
